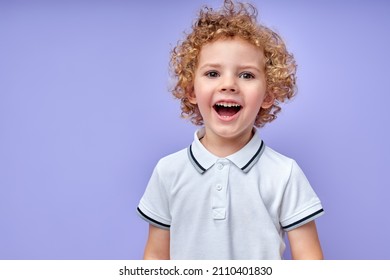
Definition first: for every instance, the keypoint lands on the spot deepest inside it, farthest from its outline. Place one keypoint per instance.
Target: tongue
(227, 111)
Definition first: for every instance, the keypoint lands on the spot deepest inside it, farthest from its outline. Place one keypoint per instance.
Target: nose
(228, 85)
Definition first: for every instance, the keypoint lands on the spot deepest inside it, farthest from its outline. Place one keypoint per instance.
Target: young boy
(228, 195)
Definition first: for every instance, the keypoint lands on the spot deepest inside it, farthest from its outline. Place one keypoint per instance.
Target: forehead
(230, 50)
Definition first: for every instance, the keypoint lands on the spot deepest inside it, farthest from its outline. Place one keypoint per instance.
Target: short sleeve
(154, 204)
(300, 204)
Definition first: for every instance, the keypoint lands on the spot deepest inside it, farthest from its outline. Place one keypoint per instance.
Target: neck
(223, 147)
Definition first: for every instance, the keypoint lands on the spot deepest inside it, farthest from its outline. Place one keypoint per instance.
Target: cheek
(254, 102)
(201, 94)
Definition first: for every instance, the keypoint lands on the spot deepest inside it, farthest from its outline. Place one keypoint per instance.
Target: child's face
(230, 87)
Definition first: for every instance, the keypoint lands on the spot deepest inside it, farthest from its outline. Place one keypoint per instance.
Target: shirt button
(219, 187)
(220, 166)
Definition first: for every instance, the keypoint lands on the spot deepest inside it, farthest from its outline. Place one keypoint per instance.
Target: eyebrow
(217, 65)
(211, 65)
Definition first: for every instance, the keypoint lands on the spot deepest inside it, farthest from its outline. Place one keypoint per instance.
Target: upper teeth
(224, 104)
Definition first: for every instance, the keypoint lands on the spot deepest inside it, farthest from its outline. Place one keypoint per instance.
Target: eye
(212, 74)
(247, 75)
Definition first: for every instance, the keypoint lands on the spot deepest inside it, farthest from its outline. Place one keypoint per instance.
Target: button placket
(219, 190)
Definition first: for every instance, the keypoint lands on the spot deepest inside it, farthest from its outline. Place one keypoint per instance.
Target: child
(228, 195)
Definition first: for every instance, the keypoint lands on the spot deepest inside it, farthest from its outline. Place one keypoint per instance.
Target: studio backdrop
(86, 113)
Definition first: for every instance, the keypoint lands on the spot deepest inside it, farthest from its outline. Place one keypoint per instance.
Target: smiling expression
(230, 88)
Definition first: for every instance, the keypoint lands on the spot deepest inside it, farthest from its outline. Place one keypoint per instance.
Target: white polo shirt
(237, 207)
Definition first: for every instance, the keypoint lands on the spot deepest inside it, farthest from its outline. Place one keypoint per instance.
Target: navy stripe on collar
(201, 169)
(254, 159)
(194, 162)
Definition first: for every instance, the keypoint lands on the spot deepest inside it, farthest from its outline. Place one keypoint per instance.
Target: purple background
(85, 114)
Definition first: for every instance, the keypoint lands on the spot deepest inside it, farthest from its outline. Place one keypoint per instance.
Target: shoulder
(174, 167)
(174, 157)
(278, 166)
(275, 160)
(173, 161)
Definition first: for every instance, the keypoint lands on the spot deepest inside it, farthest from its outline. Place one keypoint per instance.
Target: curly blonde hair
(229, 22)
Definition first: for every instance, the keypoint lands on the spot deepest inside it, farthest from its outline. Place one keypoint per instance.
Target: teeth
(225, 104)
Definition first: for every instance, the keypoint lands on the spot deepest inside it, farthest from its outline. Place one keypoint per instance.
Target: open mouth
(227, 109)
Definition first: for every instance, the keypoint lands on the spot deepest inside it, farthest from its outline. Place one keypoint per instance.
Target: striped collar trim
(244, 159)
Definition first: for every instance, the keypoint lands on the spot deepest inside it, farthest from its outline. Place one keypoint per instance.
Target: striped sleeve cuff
(302, 218)
(152, 218)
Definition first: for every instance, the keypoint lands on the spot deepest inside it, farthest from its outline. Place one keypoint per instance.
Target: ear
(268, 101)
(192, 97)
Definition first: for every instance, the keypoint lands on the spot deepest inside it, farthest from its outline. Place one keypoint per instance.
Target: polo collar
(244, 159)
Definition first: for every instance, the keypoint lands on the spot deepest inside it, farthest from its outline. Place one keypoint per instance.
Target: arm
(157, 246)
(304, 243)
